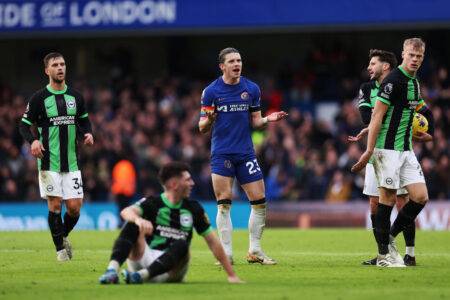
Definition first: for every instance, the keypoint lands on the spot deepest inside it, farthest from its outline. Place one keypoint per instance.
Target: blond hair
(416, 43)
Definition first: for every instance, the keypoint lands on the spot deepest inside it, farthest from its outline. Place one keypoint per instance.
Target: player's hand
(359, 136)
(211, 115)
(234, 279)
(36, 149)
(362, 162)
(88, 139)
(276, 116)
(144, 225)
(422, 137)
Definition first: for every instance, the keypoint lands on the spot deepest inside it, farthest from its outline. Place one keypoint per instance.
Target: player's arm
(364, 104)
(258, 122)
(216, 248)
(365, 111)
(207, 118)
(28, 119)
(207, 111)
(83, 122)
(379, 111)
(203, 227)
(134, 213)
(423, 109)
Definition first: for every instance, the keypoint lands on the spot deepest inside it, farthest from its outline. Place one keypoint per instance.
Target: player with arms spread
(390, 144)
(158, 232)
(59, 114)
(230, 108)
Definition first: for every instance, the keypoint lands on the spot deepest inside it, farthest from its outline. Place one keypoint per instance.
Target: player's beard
(57, 80)
(376, 75)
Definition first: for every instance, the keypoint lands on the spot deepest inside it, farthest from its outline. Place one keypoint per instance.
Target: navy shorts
(244, 167)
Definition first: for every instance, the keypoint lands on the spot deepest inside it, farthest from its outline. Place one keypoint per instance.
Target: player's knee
(223, 195)
(73, 207)
(373, 205)
(54, 206)
(73, 211)
(423, 199)
(419, 196)
(130, 232)
(179, 248)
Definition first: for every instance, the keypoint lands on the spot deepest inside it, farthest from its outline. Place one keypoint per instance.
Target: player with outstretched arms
(230, 107)
(390, 145)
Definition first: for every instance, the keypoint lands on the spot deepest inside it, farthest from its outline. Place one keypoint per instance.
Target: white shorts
(67, 185)
(396, 169)
(149, 256)
(371, 184)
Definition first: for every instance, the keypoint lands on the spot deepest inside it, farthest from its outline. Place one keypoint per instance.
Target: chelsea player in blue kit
(230, 108)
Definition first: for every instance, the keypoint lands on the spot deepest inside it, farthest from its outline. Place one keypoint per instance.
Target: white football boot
(388, 261)
(62, 255)
(393, 251)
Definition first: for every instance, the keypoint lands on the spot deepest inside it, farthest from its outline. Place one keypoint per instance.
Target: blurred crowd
(305, 157)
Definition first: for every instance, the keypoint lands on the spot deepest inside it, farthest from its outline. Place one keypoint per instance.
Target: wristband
(265, 120)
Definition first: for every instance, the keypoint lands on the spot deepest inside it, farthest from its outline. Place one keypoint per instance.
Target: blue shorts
(244, 167)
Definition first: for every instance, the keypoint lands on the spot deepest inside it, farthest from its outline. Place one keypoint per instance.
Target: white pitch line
(205, 252)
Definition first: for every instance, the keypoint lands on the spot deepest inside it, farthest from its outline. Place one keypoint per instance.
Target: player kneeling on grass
(158, 232)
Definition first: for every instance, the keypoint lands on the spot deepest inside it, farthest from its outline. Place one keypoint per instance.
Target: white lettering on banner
(107, 221)
(434, 219)
(52, 14)
(429, 219)
(23, 223)
(17, 15)
(146, 12)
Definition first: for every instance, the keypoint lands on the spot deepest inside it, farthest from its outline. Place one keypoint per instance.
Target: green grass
(313, 264)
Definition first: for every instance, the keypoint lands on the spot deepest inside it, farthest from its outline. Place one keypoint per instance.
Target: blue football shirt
(231, 132)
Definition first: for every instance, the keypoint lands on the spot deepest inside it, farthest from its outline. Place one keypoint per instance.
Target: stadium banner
(103, 216)
(94, 216)
(144, 15)
(435, 215)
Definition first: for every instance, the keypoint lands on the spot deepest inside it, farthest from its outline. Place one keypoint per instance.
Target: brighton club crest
(71, 104)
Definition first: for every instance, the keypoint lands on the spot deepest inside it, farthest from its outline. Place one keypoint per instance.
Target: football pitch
(312, 264)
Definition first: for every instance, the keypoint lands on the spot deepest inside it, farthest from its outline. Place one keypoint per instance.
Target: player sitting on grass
(158, 233)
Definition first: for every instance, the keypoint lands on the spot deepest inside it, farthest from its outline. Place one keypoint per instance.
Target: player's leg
(56, 227)
(50, 186)
(171, 265)
(71, 217)
(222, 176)
(386, 164)
(409, 231)
(373, 203)
(371, 190)
(255, 193)
(121, 250)
(72, 188)
(411, 177)
(387, 257)
(407, 215)
(249, 175)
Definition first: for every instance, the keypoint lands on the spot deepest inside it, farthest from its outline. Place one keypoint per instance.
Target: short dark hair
(384, 56)
(172, 169)
(224, 52)
(51, 55)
